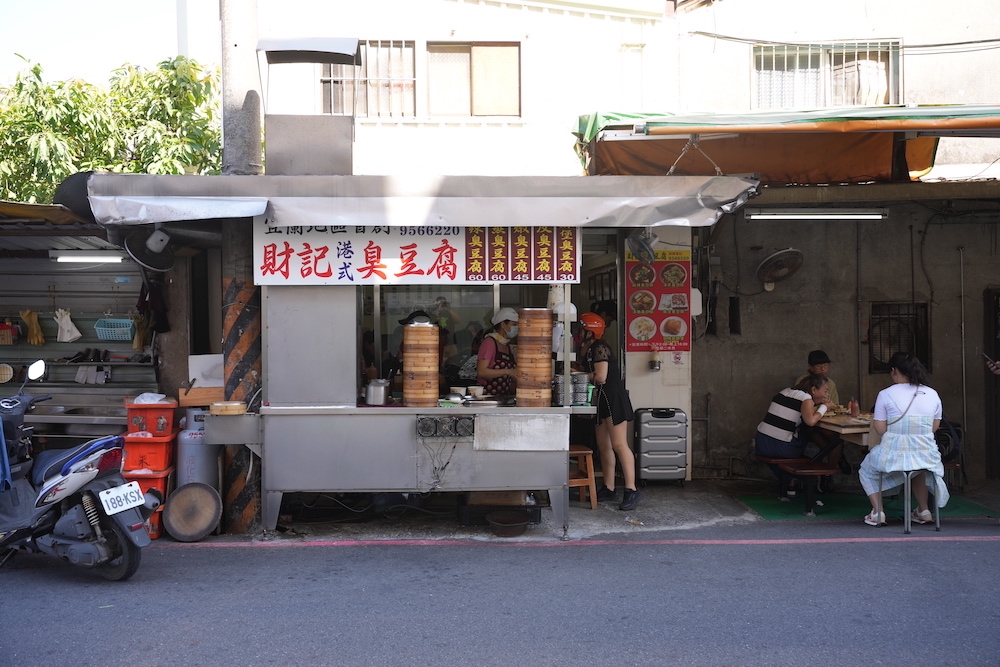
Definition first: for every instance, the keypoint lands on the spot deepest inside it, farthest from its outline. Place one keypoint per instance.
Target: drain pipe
(965, 388)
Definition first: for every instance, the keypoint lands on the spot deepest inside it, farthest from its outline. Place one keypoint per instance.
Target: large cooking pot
(377, 392)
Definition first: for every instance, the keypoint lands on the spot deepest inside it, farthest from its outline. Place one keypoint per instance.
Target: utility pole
(241, 326)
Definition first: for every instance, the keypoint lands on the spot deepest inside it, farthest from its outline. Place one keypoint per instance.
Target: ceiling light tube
(816, 214)
(87, 256)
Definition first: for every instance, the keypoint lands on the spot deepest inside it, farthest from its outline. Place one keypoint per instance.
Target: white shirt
(892, 402)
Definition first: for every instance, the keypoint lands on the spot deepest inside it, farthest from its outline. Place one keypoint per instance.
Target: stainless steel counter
(350, 448)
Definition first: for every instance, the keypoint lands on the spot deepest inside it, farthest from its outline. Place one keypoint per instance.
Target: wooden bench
(775, 464)
(807, 471)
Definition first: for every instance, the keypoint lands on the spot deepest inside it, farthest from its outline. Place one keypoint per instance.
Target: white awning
(419, 201)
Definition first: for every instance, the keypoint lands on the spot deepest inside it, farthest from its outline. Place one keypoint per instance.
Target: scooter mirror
(36, 370)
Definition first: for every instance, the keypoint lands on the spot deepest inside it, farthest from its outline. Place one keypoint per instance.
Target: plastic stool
(583, 477)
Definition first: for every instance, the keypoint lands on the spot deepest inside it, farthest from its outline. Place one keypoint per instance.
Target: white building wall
(941, 62)
(576, 58)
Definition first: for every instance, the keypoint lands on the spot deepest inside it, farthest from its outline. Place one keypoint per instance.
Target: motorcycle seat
(49, 462)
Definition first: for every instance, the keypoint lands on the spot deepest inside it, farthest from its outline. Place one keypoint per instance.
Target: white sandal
(873, 520)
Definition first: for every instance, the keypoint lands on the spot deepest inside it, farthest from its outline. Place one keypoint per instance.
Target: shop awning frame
(842, 145)
(450, 201)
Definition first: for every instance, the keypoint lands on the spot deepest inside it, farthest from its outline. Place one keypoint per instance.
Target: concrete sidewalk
(664, 507)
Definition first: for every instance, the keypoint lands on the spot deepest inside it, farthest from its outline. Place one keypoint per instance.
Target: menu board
(340, 255)
(657, 302)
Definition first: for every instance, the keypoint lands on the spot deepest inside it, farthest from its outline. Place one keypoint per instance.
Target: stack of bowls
(579, 391)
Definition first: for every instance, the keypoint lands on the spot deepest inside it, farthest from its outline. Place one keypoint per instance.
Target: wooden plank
(199, 396)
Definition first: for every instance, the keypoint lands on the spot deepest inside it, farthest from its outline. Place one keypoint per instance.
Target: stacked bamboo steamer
(420, 365)
(534, 358)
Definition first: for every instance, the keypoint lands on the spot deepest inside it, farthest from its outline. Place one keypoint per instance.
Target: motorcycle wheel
(125, 564)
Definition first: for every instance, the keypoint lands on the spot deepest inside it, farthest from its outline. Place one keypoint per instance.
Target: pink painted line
(578, 543)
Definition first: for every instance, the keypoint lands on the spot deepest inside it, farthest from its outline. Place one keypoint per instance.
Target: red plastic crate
(154, 454)
(154, 524)
(157, 418)
(160, 481)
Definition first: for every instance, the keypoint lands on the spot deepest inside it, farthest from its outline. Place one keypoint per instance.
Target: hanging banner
(658, 313)
(355, 255)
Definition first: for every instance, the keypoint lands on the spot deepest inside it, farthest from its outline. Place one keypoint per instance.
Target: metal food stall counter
(349, 448)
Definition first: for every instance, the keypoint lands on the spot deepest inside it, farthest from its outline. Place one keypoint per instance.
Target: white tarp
(464, 201)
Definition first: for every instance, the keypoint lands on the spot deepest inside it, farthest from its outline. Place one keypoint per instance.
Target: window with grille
(463, 79)
(898, 327)
(473, 79)
(810, 76)
(383, 85)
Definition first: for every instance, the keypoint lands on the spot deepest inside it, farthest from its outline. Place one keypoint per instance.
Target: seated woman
(805, 403)
(907, 413)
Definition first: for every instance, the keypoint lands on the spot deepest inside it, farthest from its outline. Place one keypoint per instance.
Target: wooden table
(850, 429)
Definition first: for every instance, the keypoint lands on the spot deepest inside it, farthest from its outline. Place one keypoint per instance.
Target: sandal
(922, 517)
(875, 520)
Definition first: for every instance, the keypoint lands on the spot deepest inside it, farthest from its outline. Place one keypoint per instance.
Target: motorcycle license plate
(120, 498)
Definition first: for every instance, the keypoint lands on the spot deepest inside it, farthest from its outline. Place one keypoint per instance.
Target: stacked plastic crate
(149, 452)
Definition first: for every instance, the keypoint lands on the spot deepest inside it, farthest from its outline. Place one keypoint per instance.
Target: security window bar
(809, 76)
(898, 327)
(476, 79)
(382, 86)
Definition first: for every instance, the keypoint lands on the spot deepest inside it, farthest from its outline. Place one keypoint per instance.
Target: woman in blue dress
(907, 413)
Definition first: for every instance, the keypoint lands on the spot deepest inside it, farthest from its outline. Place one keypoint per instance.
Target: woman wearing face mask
(496, 366)
(614, 412)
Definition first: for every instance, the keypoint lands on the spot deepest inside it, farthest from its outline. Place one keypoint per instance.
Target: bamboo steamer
(420, 365)
(534, 357)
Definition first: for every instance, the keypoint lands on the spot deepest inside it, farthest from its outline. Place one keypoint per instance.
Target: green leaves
(162, 121)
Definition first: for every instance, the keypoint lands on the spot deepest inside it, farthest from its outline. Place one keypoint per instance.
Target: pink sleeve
(488, 350)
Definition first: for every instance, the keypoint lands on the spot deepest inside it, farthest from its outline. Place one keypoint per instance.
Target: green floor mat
(851, 506)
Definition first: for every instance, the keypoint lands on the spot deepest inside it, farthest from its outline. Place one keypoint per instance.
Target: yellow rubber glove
(35, 335)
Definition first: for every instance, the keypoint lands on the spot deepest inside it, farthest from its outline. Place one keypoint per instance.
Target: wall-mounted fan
(779, 266)
(148, 247)
(640, 243)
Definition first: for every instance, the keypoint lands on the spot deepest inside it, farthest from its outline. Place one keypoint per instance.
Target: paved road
(770, 593)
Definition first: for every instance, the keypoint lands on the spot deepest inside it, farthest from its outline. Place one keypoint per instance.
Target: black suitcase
(661, 444)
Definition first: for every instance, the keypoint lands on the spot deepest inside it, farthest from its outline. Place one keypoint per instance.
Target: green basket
(115, 329)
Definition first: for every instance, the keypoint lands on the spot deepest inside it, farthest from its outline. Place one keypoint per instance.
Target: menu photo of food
(642, 328)
(642, 301)
(673, 302)
(642, 275)
(673, 275)
(673, 327)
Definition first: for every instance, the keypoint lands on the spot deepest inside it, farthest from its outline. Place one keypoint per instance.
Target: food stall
(335, 255)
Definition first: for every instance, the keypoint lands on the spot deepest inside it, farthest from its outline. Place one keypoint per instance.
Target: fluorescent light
(816, 214)
(87, 256)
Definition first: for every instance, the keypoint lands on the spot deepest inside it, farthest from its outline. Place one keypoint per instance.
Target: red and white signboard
(348, 255)
(657, 308)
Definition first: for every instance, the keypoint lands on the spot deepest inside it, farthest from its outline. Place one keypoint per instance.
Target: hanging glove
(35, 335)
(143, 331)
(67, 330)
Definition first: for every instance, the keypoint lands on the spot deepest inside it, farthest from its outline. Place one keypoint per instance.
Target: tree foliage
(162, 121)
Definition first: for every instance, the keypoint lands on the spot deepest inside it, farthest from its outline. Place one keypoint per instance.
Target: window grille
(463, 79)
(898, 327)
(383, 85)
(810, 76)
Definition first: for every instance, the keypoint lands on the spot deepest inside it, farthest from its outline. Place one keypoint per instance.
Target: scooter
(73, 503)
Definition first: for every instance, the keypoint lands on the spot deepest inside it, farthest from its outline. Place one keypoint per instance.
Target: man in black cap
(819, 364)
(828, 442)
